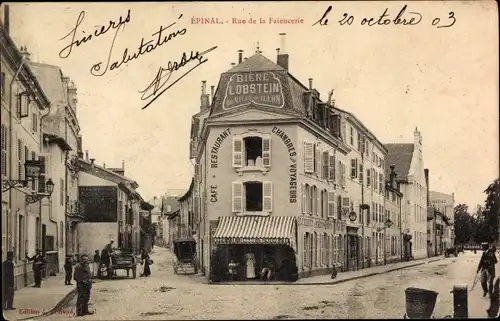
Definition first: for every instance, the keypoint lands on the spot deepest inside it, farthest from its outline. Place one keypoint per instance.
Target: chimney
(310, 83)
(92, 161)
(87, 155)
(123, 165)
(205, 99)
(283, 58)
(392, 176)
(212, 91)
(6, 18)
(240, 56)
(418, 137)
(79, 148)
(24, 52)
(104, 164)
(233, 64)
(245, 58)
(426, 173)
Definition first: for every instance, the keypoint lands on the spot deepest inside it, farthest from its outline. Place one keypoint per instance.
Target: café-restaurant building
(271, 168)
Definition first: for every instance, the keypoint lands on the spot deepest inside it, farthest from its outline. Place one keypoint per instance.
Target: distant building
(110, 206)
(409, 165)
(445, 204)
(169, 205)
(393, 233)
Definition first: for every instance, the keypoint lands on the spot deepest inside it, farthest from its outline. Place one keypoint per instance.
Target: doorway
(352, 252)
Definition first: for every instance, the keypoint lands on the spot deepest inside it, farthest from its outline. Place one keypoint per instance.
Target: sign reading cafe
(261, 88)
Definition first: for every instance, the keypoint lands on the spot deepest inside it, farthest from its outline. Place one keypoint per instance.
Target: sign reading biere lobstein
(261, 88)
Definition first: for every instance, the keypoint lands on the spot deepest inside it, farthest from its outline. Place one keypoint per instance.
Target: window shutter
(43, 173)
(304, 199)
(331, 168)
(318, 202)
(353, 168)
(237, 197)
(339, 208)
(368, 177)
(267, 189)
(318, 161)
(331, 204)
(237, 152)
(325, 202)
(266, 151)
(308, 157)
(326, 166)
(339, 173)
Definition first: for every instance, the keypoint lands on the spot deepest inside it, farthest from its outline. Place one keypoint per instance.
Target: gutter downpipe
(361, 210)
(11, 244)
(401, 226)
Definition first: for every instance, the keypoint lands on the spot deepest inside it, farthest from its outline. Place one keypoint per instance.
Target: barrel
(420, 303)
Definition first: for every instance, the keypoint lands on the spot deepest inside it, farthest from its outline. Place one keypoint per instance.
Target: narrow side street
(165, 295)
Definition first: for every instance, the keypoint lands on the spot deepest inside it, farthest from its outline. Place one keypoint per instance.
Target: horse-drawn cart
(122, 260)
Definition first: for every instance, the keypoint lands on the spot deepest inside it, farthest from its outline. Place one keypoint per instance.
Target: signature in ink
(143, 48)
(99, 31)
(164, 74)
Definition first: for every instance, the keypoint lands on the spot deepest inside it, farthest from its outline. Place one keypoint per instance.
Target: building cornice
(14, 58)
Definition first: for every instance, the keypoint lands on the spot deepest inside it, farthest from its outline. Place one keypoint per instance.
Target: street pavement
(165, 295)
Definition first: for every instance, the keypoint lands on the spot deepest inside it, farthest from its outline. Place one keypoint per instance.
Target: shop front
(255, 248)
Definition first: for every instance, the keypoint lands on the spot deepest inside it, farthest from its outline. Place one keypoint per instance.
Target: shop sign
(261, 88)
(214, 151)
(292, 169)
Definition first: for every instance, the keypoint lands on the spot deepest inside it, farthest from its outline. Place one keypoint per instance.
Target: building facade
(23, 105)
(110, 206)
(392, 225)
(409, 164)
(60, 150)
(445, 204)
(253, 149)
(169, 205)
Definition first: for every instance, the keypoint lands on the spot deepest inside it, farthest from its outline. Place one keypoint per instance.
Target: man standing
(38, 263)
(83, 278)
(68, 269)
(487, 268)
(8, 282)
(96, 264)
(106, 256)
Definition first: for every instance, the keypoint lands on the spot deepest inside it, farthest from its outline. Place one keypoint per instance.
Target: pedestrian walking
(487, 268)
(68, 269)
(146, 261)
(83, 278)
(8, 282)
(38, 265)
(96, 264)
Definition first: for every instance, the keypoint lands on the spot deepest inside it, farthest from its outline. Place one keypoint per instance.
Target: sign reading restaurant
(261, 88)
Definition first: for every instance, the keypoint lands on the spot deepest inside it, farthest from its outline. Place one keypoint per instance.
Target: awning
(256, 230)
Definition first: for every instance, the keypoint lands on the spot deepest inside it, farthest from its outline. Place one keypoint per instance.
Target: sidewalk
(33, 302)
(344, 276)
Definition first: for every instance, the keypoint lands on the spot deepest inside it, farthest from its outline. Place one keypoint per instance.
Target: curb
(343, 280)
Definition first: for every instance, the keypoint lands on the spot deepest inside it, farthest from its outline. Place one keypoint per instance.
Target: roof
(105, 173)
(257, 62)
(60, 141)
(49, 77)
(146, 206)
(188, 192)
(399, 155)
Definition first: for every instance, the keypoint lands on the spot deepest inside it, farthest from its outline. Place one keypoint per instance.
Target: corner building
(271, 167)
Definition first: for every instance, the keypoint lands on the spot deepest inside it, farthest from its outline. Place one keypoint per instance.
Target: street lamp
(32, 169)
(33, 198)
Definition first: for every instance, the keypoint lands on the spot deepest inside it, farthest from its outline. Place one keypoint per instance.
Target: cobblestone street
(168, 296)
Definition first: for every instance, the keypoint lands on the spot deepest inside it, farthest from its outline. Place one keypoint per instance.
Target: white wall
(91, 180)
(95, 236)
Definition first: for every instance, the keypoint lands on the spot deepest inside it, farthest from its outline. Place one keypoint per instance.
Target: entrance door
(352, 250)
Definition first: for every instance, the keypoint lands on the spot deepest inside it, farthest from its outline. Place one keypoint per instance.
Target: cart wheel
(134, 273)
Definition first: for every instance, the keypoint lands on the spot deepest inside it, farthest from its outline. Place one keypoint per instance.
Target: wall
(91, 180)
(95, 236)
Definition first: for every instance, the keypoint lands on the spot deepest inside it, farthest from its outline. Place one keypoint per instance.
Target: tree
(463, 224)
(491, 211)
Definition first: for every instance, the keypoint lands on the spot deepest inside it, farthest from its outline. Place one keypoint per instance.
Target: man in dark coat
(487, 268)
(38, 264)
(83, 278)
(68, 269)
(8, 282)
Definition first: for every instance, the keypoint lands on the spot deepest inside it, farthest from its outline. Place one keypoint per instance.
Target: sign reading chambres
(261, 88)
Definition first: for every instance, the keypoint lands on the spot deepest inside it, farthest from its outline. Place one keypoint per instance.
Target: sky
(392, 77)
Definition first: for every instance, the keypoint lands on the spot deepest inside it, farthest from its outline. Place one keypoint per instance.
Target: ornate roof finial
(258, 48)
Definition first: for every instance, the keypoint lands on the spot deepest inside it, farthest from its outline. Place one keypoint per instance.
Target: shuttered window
(326, 166)
(381, 183)
(317, 158)
(354, 168)
(368, 177)
(237, 152)
(266, 152)
(237, 197)
(339, 207)
(331, 204)
(304, 198)
(308, 157)
(331, 168)
(361, 171)
(4, 137)
(43, 173)
(267, 189)
(20, 171)
(33, 181)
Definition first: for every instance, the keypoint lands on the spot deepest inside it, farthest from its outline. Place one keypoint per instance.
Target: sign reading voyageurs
(261, 88)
